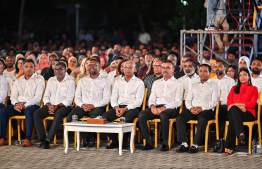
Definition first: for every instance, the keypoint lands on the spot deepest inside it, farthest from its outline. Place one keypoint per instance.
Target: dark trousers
(43, 113)
(129, 115)
(222, 118)
(9, 111)
(186, 116)
(81, 113)
(164, 118)
(236, 118)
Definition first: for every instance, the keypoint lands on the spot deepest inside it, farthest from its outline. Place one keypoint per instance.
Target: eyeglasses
(128, 68)
(59, 69)
(157, 66)
(92, 65)
(254, 64)
(231, 71)
(166, 68)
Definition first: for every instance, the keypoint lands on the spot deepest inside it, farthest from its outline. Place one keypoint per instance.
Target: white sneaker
(211, 27)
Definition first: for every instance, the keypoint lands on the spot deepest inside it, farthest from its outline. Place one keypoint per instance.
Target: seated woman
(19, 67)
(232, 71)
(241, 102)
(83, 70)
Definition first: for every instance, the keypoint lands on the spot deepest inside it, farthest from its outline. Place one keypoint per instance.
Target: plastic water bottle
(258, 146)
(253, 146)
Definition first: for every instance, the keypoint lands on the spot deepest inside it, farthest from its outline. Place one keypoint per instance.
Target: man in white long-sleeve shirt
(127, 97)
(166, 96)
(225, 84)
(58, 98)
(3, 85)
(91, 97)
(201, 99)
(26, 95)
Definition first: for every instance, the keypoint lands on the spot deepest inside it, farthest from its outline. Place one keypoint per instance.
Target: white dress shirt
(257, 82)
(10, 79)
(103, 73)
(60, 92)
(28, 91)
(204, 95)
(129, 93)
(3, 89)
(168, 93)
(186, 80)
(225, 84)
(111, 76)
(93, 91)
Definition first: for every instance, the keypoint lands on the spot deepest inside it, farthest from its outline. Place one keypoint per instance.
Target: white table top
(108, 125)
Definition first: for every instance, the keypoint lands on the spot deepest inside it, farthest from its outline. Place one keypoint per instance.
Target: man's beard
(219, 73)
(189, 73)
(256, 71)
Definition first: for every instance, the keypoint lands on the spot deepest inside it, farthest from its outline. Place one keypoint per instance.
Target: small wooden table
(119, 128)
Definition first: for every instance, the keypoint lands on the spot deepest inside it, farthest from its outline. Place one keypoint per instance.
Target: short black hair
(256, 59)
(209, 67)
(63, 60)
(55, 60)
(151, 53)
(231, 52)
(60, 58)
(29, 61)
(33, 53)
(118, 58)
(221, 61)
(169, 61)
(95, 59)
(193, 62)
(62, 64)
(119, 66)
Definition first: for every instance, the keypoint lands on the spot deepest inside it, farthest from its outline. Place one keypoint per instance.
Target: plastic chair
(251, 124)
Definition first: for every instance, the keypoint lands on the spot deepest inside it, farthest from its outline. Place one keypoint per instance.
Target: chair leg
(55, 139)
(19, 129)
(236, 141)
(155, 134)
(170, 134)
(191, 134)
(226, 129)
(259, 132)
(138, 136)
(217, 130)
(173, 135)
(144, 142)
(75, 140)
(64, 129)
(9, 131)
(250, 127)
(98, 140)
(206, 137)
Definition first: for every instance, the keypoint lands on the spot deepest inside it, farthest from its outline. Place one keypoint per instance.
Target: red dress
(248, 95)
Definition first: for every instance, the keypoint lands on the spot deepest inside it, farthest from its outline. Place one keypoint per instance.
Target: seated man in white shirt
(58, 98)
(3, 85)
(127, 97)
(201, 99)
(190, 75)
(166, 96)
(225, 84)
(10, 72)
(91, 97)
(25, 98)
(256, 68)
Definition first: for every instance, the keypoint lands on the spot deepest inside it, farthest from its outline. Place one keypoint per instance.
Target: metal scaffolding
(200, 41)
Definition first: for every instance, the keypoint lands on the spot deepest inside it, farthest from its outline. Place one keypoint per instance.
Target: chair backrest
(259, 107)
(144, 100)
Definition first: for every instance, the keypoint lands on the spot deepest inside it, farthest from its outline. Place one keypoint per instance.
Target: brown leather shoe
(3, 142)
(27, 143)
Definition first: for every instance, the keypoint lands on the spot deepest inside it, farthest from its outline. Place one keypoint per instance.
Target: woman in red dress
(241, 102)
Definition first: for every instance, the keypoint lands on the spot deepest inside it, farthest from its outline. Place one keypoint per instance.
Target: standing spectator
(144, 37)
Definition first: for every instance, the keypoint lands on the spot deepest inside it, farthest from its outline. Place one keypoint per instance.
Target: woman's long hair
(16, 64)
(237, 89)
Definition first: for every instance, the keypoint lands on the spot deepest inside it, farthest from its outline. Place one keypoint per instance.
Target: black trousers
(129, 115)
(81, 113)
(164, 118)
(236, 118)
(222, 118)
(43, 113)
(186, 116)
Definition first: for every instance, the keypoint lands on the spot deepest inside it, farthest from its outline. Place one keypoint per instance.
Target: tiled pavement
(33, 157)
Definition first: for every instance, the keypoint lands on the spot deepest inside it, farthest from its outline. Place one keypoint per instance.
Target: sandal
(227, 153)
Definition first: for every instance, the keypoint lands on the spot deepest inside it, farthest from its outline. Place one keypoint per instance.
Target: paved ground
(33, 157)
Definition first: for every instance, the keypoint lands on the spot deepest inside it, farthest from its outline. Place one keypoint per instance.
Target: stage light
(184, 2)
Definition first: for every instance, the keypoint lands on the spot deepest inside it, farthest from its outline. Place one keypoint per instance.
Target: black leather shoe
(125, 145)
(164, 148)
(193, 149)
(46, 144)
(40, 145)
(91, 142)
(85, 142)
(183, 149)
(112, 145)
(148, 147)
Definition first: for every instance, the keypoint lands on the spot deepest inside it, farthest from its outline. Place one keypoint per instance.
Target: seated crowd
(92, 86)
